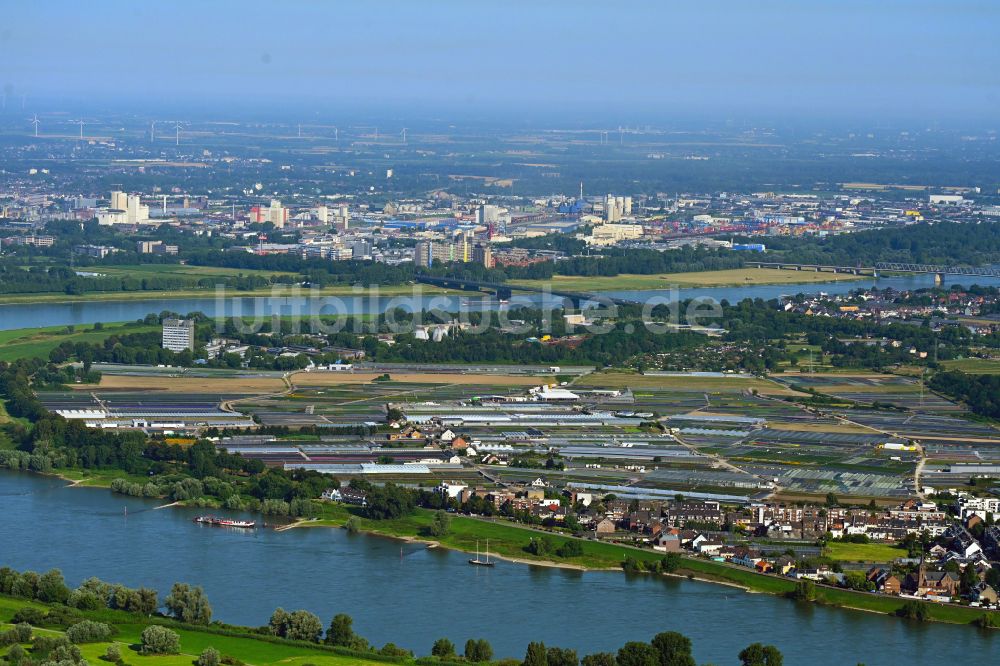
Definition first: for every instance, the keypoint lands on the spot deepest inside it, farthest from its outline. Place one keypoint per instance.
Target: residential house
(668, 543)
(885, 581)
(352, 496)
(784, 565)
(962, 541)
(605, 526)
(708, 547)
(746, 557)
(984, 594)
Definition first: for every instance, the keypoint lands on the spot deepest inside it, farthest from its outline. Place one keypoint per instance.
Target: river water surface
(29, 315)
(411, 595)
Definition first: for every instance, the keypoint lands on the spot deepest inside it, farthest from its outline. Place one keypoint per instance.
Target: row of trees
(185, 602)
(980, 392)
(668, 648)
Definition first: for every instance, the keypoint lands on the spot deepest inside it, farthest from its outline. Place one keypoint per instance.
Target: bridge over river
(504, 290)
(939, 272)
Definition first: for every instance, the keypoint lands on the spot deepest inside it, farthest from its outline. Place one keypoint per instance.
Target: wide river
(30, 315)
(411, 595)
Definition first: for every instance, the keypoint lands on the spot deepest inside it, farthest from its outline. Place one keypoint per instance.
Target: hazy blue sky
(877, 58)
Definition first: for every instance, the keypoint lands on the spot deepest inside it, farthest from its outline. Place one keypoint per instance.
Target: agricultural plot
(335, 399)
(685, 382)
(820, 481)
(921, 426)
(905, 392)
(225, 387)
(974, 366)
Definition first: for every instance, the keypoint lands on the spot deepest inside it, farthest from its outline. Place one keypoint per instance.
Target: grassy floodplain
(238, 643)
(734, 277)
(177, 294)
(38, 342)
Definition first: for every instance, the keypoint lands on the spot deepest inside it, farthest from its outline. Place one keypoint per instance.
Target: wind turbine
(336, 133)
(177, 135)
(404, 134)
(152, 131)
(34, 121)
(80, 123)
(300, 130)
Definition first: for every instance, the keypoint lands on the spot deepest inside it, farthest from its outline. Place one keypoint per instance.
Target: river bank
(280, 290)
(384, 583)
(507, 542)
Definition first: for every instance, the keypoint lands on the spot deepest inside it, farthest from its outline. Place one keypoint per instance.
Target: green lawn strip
(506, 539)
(186, 270)
(10, 605)
(863, 552)
(100, 478)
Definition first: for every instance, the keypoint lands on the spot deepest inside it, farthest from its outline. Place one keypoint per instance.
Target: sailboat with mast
(481, 562)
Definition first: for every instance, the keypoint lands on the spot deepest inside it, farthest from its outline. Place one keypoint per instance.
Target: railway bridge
(939, 272)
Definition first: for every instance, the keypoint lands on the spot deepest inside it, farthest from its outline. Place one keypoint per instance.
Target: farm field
(682, 382)
(182, 384)
(248, 384)
(337, 378)
(974, 366)
(824, 426)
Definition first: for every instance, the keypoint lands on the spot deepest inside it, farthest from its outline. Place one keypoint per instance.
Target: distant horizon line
(219, 109)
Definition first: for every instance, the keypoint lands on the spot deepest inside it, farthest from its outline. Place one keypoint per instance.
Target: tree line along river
(411, 595)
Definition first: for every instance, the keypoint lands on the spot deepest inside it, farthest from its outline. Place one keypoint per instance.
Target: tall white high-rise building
(178, 334)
